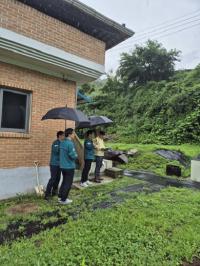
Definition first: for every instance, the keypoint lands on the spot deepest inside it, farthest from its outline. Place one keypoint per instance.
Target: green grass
(78, 196)
(160, 229)
(148, 160)
(190, 150)
(150, 230)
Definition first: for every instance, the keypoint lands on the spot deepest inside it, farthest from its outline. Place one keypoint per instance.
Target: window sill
(15, 135)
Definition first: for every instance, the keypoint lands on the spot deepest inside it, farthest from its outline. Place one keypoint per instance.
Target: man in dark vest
(68, 157)
(88, 157)
(52, 186)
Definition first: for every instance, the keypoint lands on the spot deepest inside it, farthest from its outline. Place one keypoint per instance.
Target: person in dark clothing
(68, 157)
(88, 157)
(52, 186)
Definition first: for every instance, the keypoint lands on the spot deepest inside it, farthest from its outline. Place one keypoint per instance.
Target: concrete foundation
(23, 180)
(195, 170)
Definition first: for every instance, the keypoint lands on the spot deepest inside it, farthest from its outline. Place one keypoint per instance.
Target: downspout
(76, 98)
(77, 142)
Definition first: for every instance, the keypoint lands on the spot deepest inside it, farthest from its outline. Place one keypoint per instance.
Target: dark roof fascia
(84, 18)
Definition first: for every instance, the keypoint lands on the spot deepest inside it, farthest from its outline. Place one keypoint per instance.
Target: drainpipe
(76, 97)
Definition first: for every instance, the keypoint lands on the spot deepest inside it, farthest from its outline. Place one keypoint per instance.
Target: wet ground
(161, 180)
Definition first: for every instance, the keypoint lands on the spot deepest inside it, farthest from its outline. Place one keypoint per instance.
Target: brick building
(46, 48)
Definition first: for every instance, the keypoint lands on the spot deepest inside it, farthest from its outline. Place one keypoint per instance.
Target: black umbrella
(66, 113)
(95, 121)
(99, 121)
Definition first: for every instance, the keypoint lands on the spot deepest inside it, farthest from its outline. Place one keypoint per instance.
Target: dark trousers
(52, 186)
(99, 163)
(86, 170)
(68, 176)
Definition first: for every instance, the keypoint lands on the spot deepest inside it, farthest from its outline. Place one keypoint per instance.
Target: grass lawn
(93, 194)
(147, 229)
(108, 225)
(148, 160)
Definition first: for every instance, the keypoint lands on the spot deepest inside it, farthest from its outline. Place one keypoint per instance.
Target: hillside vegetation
(148, 111)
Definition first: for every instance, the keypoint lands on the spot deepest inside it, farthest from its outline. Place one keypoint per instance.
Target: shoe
(89, 183)
(66, 202)
(84, 184)
(101, 179)
(69, 201)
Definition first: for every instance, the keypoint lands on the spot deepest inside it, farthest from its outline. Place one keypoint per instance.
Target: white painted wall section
(22, 180)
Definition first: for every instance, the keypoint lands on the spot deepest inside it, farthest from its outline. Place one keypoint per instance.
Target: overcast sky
(143, 15)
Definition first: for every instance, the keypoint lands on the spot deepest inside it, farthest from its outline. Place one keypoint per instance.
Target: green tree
(151, 62)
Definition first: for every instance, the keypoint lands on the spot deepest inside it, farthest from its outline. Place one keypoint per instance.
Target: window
(14, 110)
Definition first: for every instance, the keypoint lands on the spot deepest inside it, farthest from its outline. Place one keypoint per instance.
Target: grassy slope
(162, 112)
(148, 160)
(155, 229)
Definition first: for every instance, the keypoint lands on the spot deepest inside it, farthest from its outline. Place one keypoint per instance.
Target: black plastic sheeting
(173, 156)
(116, 156)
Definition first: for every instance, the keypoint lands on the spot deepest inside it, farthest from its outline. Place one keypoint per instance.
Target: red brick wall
(18, 150)
(29, 22)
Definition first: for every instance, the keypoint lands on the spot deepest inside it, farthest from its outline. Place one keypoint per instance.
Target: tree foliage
(147, 63)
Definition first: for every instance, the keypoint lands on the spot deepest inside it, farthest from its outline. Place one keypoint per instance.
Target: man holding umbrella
(68, 158)
(67, 150)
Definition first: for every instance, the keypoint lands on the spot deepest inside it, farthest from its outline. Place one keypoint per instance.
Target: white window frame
(28, 110)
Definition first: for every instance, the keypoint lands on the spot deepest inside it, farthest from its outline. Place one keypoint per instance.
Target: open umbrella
(72, 114)
(99, 121)
(95, 121)
(66, 113)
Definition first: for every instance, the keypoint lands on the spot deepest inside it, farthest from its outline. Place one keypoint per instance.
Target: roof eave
(99, 16)
(93, 23)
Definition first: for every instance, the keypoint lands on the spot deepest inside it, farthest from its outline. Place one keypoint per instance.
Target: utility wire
(168, 26)
(168, 21)
(156, 36)
(140, 35)
(169, 29)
